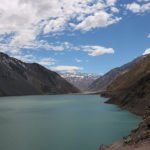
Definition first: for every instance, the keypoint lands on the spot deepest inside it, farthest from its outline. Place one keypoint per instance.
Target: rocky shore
(139, 138)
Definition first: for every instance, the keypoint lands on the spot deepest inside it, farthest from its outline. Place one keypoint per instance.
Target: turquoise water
(65, 122)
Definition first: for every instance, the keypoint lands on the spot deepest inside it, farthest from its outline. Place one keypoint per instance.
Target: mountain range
(19, 78)
(127, 86)
(102, 82)
(81, 80)
(131, 91)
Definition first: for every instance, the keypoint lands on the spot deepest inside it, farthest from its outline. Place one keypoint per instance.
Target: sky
(91, 36)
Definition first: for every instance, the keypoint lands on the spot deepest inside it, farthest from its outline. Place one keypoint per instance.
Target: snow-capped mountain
(80, 80)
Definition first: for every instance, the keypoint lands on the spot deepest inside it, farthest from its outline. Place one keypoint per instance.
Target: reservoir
(61, 122)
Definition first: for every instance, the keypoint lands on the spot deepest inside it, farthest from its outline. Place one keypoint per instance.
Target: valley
(127, 86)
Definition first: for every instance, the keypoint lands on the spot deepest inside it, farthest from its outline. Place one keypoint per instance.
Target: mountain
(80, 80)
(131, 90)
(101, 83)
(19, 78)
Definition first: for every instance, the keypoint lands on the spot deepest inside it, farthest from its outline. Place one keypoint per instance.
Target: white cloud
(26, 20)
(99, 19)
(134, 7)
(147, 51)
(143, 0)
(47, 61)
(15, 48)
(148, 36)
(97, 50)
(91, 50)
(30, 58)
(55, 25)
(114, 9)
(23, 38)
(67, 68)
(111, 2)
(138, 7)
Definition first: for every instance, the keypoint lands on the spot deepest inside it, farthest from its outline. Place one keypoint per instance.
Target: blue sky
(90, 36)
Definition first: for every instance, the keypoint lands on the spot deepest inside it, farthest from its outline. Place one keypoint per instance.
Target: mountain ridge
(80, 80)
(131, 91)
(19, 78)
(134, 85)
(101, 83)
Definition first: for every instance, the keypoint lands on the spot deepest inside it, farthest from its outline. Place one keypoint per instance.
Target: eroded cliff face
(19, 78)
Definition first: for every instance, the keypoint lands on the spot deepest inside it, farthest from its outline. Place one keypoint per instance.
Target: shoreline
(138, 139)
(122, 144)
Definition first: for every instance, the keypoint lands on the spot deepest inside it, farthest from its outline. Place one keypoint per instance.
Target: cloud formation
(47, 61)
(30, 58)
(99, 19)
(67, 68)
(140, 6)
(97, 50)
(23, 21)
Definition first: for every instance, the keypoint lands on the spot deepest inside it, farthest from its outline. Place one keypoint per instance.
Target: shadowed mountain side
(19, 78)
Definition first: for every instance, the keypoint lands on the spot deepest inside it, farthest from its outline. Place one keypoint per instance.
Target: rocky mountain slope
(101, 83)
(131, 91)
(80, 80)
(19, 78)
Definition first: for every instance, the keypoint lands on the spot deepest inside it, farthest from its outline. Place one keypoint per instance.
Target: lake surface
(65, 122)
